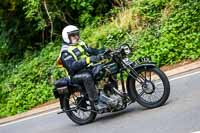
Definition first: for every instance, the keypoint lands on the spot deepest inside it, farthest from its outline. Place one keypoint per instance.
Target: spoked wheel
(151, 88)
(79, 108)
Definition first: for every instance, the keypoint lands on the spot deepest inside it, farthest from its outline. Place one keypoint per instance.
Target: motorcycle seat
(62, 82)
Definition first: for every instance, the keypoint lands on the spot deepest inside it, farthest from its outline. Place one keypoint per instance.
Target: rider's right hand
(106, 54)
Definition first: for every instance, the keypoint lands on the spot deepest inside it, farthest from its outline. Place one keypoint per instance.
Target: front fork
(123, 94)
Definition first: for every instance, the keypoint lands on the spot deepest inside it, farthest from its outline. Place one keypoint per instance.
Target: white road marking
(28, 118)
(54, 111)
(196, 132)
(186, 75)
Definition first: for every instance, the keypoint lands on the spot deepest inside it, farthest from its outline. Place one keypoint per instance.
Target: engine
(108, 95)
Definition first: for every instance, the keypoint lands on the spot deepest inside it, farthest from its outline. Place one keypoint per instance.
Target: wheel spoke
(149, 98)
(158, 97)
(79, 109)
(151, 93)
(145, 97)
(84, 114)
(160, 93)
(139, 90)
(142, 77)
(155, 98)
(159, 90)
(141, 93)
(150, 75)
(136, 77)
(80, 112)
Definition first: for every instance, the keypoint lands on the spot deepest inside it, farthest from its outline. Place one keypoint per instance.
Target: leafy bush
(167, 31)
(27, 25)
(172, 34)
(31, 83)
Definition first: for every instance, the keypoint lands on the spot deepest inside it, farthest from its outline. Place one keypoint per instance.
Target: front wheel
(151, 88)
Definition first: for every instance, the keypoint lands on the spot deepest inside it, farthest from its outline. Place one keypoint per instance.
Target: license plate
(127, 61)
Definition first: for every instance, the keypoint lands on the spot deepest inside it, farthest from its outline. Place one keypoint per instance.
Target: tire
(138, 96)
(71, 114)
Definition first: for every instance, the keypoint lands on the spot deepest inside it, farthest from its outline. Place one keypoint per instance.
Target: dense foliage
(27, 25)
(173, 31)
(168, 31)
(30, 83)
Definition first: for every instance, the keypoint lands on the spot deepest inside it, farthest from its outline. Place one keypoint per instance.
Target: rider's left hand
(95, 59)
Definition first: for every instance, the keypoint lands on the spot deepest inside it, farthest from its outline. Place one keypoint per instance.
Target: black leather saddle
(62, 82)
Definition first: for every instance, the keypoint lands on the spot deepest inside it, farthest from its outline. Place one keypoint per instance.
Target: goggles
(74, 33)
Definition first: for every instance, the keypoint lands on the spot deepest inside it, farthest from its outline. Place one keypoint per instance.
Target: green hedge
(168, 31)
(173, 33)
(30, 83)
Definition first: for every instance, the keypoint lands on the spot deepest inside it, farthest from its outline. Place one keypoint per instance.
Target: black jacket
(71, 64)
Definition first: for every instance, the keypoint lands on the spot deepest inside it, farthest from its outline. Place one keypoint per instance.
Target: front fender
(146, 65)
(130, 87)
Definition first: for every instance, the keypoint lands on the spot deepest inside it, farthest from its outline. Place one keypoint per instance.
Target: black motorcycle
(120, 82)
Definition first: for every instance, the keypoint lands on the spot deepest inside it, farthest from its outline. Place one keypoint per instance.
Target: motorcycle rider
(75, 56)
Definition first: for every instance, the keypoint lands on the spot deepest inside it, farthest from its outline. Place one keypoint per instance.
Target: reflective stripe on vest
(81, 46)
(78, 51)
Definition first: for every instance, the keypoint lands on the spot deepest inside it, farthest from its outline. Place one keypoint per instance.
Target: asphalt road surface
(181, 114)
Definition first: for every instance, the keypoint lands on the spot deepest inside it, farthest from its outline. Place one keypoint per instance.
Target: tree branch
(50, 19)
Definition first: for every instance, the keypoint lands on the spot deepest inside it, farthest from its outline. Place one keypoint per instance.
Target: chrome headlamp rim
(126, 49)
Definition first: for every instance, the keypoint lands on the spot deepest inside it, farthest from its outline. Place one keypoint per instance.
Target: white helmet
(70, 29)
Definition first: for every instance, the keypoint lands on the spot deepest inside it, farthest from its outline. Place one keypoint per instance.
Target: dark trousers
(87, 80)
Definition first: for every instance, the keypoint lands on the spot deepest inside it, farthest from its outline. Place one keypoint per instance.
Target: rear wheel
(79, 108)
(151, 88)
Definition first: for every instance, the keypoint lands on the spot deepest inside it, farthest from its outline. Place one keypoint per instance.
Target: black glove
(95, 59)
(106, 54)
(97, 71)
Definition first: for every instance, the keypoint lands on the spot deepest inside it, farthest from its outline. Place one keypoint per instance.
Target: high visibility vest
(77, 51)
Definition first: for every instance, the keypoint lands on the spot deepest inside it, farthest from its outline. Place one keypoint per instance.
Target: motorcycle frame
(133, 67)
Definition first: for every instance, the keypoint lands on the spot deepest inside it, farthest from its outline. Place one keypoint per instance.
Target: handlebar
(123, 49)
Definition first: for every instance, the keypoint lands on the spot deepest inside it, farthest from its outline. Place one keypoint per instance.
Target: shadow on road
(133, 109)
(136, 109)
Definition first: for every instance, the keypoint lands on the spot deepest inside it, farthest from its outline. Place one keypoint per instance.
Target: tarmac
(56, 106)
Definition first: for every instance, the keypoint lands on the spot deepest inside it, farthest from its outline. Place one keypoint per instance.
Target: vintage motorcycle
(121, 82)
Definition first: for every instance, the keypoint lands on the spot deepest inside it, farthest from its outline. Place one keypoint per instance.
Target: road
(181, 114)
